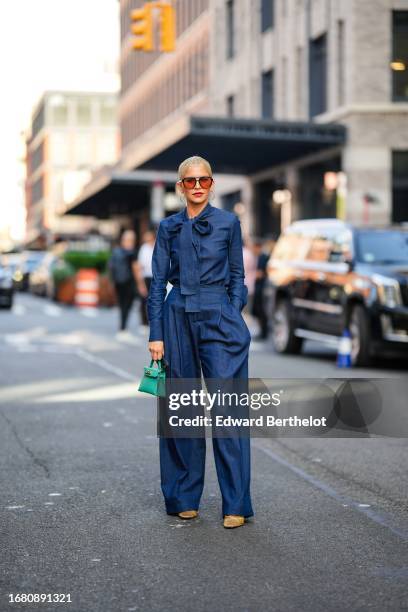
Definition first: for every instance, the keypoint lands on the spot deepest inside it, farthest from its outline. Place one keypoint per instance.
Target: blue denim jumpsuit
(202, 327)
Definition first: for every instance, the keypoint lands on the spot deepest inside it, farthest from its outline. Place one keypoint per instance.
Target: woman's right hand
(156, 349)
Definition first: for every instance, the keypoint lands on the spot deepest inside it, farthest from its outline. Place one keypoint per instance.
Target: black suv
(328, 276)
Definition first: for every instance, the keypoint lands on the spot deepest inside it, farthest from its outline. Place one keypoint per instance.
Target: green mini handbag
(154, 379)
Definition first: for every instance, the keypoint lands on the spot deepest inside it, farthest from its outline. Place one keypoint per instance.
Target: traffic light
(143, 28)
(167, 27)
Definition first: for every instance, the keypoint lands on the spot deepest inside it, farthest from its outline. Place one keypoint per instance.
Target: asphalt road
(81, 507)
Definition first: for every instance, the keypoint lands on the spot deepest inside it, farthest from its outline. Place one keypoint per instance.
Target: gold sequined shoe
(188, 514)
(233, 520)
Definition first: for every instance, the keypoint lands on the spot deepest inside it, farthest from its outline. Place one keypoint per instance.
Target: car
(12, 262)
(328, 276)
(29, 261)
(41, 281)
(6, 287)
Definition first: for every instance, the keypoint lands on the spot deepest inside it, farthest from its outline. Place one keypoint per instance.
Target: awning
(246, 146)
(112, 192)
(232, 145)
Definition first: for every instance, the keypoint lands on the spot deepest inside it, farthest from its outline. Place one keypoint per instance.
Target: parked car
(12, 262)
(41, 280)
(6, 287)
(327, 276)
(29, 261)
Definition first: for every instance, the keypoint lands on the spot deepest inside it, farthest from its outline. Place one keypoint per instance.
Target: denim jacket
(218, 240)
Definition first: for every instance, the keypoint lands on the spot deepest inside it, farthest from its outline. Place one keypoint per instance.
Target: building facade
(320, 61)
(160, 88)
(301, 106)
(71, 135)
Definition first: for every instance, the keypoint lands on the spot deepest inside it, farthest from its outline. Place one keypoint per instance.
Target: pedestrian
(125, 273)
(258, 309)
(145, 262)
(199, 324)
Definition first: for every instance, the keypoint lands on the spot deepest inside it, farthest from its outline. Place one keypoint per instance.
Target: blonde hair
(191, 161)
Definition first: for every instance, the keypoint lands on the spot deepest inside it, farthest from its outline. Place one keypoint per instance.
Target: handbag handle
(160, 363)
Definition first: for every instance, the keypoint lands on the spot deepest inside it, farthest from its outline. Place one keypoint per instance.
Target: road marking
(17, 339)
(91, 312)
(18, 309)
(20, 338)
(383, 519)
(28, 392)
(105, 364)
(52, 311)
(96, 393)
(129, 339)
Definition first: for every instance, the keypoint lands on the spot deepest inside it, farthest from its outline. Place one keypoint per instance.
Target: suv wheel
(284, 340)
(360, 336)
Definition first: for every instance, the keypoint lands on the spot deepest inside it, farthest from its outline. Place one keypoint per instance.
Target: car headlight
(388, 290)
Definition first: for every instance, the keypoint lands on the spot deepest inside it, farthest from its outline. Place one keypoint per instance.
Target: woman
(125, 272)
(199, 325)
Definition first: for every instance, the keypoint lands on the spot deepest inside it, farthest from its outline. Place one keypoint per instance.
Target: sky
(48, 44)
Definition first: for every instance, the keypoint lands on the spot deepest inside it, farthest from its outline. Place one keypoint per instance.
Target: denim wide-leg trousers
(216, 340)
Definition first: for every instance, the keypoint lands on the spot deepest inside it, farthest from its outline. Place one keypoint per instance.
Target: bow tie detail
(189, 254)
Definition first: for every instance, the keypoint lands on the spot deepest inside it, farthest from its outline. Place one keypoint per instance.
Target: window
(84, 111)
(230, 28)
(299, 82)
(284, 82)
(230, 106)
(189, 80)
(267, 14)
(59, 110)
(267, 94)
(37, 190)
(319, 249)
(39, 120)
(37, 157)
(399, 186)
(382, 246)
(317, 75)
(342, 246)
(399, 60)
(108, 112)
(340, 63)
